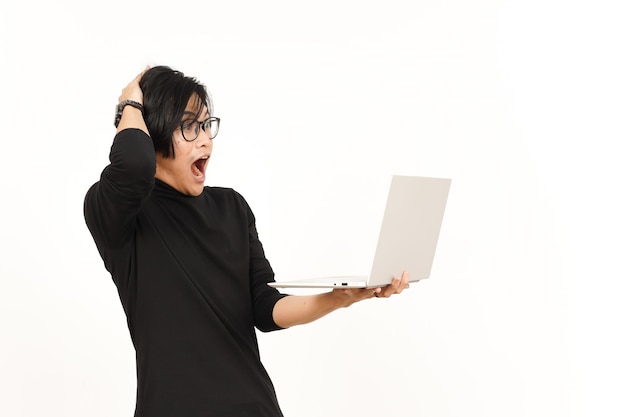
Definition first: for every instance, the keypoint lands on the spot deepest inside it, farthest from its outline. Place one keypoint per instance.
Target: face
(186, 171)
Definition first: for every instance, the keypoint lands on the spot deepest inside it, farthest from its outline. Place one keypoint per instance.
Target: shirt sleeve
(264, 297)
(112, 204)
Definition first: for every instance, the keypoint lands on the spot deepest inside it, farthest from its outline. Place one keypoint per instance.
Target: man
(186, 259)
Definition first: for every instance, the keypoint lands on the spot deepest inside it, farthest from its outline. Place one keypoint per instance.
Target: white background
(521, 103)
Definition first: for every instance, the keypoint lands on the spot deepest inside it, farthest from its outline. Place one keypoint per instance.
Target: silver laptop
(407, 239)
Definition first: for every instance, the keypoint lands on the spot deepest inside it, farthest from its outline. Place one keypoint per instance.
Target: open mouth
(199, 166)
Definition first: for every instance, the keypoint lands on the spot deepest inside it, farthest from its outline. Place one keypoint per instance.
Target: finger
(404, 282)
(405, 279)
(392, 288)
(138, 77)
(397, 285)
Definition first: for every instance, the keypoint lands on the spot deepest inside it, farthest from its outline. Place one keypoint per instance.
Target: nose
(204, 138)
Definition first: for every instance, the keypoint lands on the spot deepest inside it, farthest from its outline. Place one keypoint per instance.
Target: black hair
(166, 93)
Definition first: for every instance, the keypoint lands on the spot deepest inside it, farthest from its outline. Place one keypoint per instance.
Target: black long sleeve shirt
(192, 278)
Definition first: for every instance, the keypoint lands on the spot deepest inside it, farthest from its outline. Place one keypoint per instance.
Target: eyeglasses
(191, 128)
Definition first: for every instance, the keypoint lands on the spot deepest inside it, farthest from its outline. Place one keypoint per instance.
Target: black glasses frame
(205, 125)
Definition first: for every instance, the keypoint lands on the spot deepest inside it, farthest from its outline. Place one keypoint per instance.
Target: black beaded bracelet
(120, 108)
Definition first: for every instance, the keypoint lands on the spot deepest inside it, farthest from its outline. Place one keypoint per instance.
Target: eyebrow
(191, 113)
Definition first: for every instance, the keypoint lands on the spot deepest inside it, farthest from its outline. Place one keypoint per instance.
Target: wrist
(122, 105)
